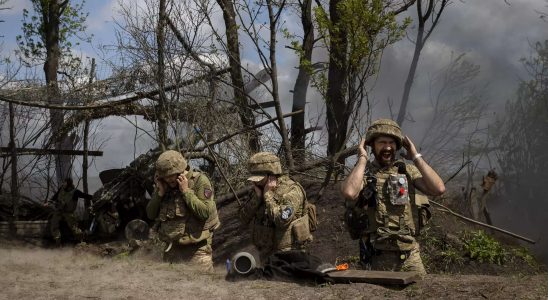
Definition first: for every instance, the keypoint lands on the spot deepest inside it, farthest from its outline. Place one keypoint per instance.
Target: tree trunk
(274, 78)
(233, 45)
(14, 184)
(51, 21)
(411, 75)
(86, 134)
(419, 44)
(336, 86)
(298, 136)
(160, 77)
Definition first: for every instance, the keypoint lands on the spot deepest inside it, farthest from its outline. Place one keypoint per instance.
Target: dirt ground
(38, 273)
(101, 270)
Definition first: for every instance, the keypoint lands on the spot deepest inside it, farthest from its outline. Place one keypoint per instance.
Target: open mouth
(386, 155)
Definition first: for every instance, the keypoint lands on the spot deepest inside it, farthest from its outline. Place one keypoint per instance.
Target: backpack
(310, 210)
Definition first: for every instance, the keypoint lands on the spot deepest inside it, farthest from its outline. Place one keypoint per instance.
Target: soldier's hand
(362, 152)
(410, 149)
(183, 183)
(271, 183)
(160, 185)
(258, 190)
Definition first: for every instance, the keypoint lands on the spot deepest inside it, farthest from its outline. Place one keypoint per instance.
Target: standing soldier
(379, 196)
(65, 202)
(183, 205)
(277, 208)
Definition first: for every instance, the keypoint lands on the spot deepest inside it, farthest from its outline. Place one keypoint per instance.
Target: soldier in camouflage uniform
(382, 192)
(109, 221)
(276, 208)
(183, 205)
(65, 202)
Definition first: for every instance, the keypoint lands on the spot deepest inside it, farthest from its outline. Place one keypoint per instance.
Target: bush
(482, 247)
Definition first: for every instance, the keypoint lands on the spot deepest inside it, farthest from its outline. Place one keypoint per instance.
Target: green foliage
(33, 42)
(482, 247)
(523, 254)
(368, 25)
(451, 257)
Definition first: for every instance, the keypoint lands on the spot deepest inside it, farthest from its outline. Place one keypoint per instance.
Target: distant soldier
(64, 203)
(108, 220)
(277, 208)
(183, 205)
(380, 195)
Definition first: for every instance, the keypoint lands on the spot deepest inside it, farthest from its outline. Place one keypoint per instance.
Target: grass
(523, 254)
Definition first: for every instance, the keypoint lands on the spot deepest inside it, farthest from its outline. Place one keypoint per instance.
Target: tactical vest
(65, 202)
(391, 227)
(266, 236)
(177, 221)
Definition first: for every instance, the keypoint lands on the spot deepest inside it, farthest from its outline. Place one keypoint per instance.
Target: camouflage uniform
(279, 218)
(186, 220)
(108, 222)
(65, 206)
(391, 228)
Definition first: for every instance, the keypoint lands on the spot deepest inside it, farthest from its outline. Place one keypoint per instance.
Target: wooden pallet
(376, 277)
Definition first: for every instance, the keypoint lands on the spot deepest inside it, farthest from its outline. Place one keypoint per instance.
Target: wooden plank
(377, 277)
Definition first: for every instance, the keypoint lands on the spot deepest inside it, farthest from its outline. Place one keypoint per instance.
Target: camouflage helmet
(263, 163)
(384, 127)
(169, 163)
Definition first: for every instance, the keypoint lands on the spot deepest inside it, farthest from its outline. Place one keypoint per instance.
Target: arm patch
(208, 193)
(287, 213)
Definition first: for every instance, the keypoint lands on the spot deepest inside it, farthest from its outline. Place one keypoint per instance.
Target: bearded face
(384, 148)
(171, 181)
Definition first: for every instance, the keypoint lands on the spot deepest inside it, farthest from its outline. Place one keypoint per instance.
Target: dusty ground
(38, 273)
(105, 270)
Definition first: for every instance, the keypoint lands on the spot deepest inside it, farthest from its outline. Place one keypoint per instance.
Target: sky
(493, 34)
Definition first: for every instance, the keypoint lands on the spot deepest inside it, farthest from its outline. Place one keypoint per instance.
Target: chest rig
(383, 211)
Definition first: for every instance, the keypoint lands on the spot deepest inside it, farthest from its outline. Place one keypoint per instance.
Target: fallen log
(448, 210)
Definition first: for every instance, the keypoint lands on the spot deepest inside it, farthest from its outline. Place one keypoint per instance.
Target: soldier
(183, 205)
(277, 208)
(380, 195)
(109, 221)
(65, 202)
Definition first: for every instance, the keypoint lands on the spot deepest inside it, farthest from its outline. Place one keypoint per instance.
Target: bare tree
(434, 9)
(233, 51)
(300, 89)
(46, 37)
(457, 105)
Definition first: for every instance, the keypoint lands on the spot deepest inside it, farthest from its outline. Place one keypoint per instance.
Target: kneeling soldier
(277, 209)
(183, 205)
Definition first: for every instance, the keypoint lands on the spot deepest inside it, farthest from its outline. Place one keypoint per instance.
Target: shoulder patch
(208, 193)
(287, 212)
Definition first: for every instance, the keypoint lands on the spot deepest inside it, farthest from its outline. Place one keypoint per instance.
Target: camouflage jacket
(188, 217)
(279, 218)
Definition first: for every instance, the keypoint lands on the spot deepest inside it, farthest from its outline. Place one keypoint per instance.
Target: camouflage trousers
(71, 222)
(398, 261)
(199, 255)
